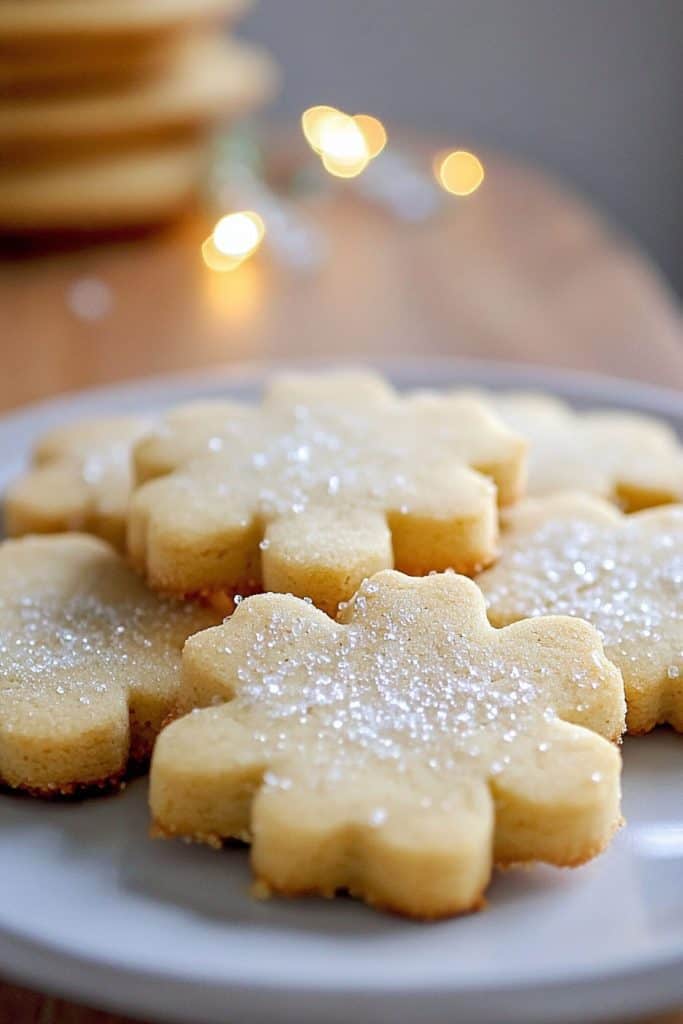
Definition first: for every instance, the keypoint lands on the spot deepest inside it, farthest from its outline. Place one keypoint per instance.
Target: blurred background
(589, 89)
(185, 183)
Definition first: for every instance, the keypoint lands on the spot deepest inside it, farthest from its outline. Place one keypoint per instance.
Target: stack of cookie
(432, 672)
(107, 106)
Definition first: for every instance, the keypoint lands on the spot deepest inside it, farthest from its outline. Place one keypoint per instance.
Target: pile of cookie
(106, 107)
(347, 629)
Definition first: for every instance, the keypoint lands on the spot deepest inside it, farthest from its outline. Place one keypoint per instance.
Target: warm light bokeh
(238, 234)
(345, 144)
(312, 121)
(374, 133)
(341, 139)
(234, 238)
(459, 172)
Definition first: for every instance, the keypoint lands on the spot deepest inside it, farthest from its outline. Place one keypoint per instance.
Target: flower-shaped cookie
(80, 480)
(576, 555)
(631, 459)
(332, 478)
(89, 663)
(397, 753)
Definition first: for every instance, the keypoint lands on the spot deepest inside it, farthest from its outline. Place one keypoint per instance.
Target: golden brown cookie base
(136, 766)
(263, 890)
(159, 831)
(661, 723)
(70, 790)
(589, 853)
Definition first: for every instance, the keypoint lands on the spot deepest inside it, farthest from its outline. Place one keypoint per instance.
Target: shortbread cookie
(209, 79)
(29, 24)
(89, 663)
(80, 480)
(631, 459)
(68, 67)
(397, 753)
(333, 478)
(106, 191)
(576, 555)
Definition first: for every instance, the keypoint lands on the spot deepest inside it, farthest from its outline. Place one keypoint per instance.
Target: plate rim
(247, 373)
(549, 978)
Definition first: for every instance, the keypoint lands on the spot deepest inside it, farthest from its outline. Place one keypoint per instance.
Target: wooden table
(520, 271)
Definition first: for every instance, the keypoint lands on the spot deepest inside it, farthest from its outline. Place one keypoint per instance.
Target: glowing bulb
(234, 238)
(341, 139)
(312, 122)
(238, 234)
(345, 144)
(459, 172)
(373, 132)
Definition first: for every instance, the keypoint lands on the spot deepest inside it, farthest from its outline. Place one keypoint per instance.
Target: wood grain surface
(519, 271)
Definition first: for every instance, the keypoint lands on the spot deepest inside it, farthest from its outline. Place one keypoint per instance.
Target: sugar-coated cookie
(27, 24)
(208, 79)
(80, 480)
(332, 478)
(398, 753)
(631, 459)
(572, 554)
(105, 191)
(89, 663)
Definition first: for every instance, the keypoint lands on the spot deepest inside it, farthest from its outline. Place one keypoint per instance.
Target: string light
(238, 234)
(345, 144)
(233, 240)
(374, 133)
(343, 148)
(459, 172)
(312, 123)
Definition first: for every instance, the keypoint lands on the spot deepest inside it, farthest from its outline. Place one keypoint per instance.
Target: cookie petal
(449, 521)
(189, 541)
(386, 841)
(325, 553)
(207, 769)
(59, 737)
(558, 801)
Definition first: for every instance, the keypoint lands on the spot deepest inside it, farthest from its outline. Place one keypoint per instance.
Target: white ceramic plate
(92, 909)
